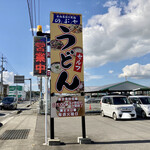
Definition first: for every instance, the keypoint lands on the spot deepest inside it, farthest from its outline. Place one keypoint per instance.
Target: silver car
(141, 104)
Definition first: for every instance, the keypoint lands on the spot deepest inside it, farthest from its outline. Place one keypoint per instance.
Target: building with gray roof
(122, 87)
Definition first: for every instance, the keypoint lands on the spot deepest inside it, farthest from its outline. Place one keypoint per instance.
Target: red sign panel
(40, 56)
(48, 55)
(48, 73)
(78, 62)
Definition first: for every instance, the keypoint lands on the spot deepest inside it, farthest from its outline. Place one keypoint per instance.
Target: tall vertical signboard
(40, 56)
(66, 64)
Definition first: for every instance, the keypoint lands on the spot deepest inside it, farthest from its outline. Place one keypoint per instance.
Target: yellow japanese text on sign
(66, 53)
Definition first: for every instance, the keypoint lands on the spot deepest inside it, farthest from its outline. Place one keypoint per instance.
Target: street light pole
(30, 88)
(2, 69)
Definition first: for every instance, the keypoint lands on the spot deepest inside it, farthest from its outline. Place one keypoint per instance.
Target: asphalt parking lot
(122, 134)
(105, 133)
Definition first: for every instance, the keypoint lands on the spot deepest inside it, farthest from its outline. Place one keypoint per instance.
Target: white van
(141, 104)
(117, 107)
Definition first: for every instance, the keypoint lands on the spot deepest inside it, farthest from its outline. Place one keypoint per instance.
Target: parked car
(92, 100)
(89, 99)
(141, 104)
(9, 103)
(117, 107)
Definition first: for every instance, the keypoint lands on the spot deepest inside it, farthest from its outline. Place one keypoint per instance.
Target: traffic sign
(18, 79)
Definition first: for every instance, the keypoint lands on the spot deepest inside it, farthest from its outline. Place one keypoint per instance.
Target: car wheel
(114, 116)
(102, 113)
(143, 114)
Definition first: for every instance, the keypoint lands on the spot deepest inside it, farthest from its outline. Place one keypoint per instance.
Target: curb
(5, 121)
(2, 123)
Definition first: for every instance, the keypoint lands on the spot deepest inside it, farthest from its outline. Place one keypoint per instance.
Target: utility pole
(2, 69)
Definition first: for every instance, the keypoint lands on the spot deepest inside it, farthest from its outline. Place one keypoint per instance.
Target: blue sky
(116, 38)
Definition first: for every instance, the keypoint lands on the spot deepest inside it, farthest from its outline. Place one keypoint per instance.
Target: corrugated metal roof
(90, 88)
(121, 86)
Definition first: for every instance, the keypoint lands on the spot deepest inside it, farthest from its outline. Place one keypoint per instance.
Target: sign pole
(52, 128)
(83, 127)
(17, 92)
(51, 119)
(46, 89)
(41, 101)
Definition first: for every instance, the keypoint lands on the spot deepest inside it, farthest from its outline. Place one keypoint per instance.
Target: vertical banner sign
(66, 63)
(66, 53)
(40, 56)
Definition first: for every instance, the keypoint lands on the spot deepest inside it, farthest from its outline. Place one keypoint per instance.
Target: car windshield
(8, 99)
(120, 100)
(145, 100)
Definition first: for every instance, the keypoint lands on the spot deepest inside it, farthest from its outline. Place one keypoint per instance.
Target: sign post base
(53, 142)
(82, 140)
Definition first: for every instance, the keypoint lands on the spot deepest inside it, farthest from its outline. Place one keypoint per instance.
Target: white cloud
(31, 73)
(33, 29)
(34, 86)
(8, 77)
(88, 76)
(136, 71)
(47, 26)
(45, 30)
(48, 31)
(110, 3)
(114, 37)
(111, 71)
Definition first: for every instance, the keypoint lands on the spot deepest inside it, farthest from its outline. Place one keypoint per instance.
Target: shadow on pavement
(123, 142)
(92, 113)
(1, 114)
(22, 109)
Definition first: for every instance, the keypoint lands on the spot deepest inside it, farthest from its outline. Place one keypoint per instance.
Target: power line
(10, 68)
(8, 65)
(30, 16)
(35, 12)
(39, 12)
(31, 11)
